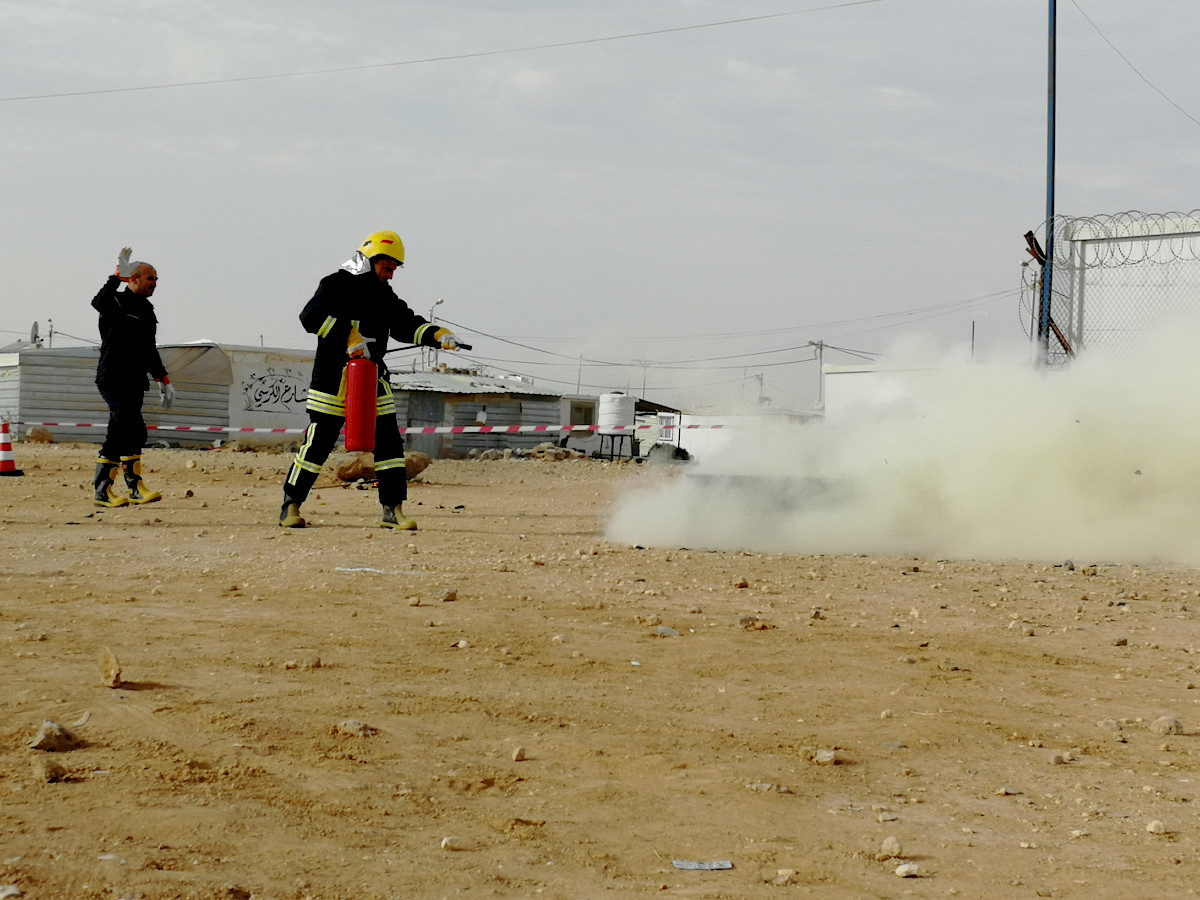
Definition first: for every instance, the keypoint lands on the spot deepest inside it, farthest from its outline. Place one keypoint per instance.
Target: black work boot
(393, 517)
(138, 492)
(106, 477)
(289, 514)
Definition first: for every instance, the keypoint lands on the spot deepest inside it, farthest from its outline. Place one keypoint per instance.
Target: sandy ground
(505, 704)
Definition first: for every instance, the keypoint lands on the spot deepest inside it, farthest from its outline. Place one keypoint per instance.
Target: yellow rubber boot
(106, 476)
(289, 515)
(393, 517)
(138, 492)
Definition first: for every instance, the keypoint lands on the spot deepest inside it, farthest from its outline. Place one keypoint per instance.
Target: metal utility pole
(1043, 325)
(819, 346)
(432, 354)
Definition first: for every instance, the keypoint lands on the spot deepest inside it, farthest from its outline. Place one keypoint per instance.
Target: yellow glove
(447, 339)
(355, 345)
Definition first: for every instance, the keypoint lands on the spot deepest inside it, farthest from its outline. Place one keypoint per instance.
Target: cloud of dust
(1096, 462)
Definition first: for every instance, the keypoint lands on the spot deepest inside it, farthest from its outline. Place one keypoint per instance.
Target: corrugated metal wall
(401, 399)
(10, 387)
(501, 411)
(59, 386)
(541, 411)
(195, 404)
(465, 409)
(202, 380)
(421, 409)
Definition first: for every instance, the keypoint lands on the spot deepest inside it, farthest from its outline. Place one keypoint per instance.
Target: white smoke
(1096, 462)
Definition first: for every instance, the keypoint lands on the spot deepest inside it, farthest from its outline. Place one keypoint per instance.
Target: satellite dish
(33, 335)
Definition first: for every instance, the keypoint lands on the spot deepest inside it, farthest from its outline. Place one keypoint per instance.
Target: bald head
(144, 279)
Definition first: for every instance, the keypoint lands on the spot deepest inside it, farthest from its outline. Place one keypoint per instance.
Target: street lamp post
(432, 353)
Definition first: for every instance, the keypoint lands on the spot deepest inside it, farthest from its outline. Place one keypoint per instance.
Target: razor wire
(1115, 277)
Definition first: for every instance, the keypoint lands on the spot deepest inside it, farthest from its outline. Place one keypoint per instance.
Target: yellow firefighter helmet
(383, 243)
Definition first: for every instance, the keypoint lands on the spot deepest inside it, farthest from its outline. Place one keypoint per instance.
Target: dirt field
(503, 704)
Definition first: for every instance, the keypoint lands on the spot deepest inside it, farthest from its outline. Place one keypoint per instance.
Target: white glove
(166, 395)
(124, 269)
(448, 342)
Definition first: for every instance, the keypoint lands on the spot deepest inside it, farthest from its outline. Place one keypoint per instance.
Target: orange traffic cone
(7, 464)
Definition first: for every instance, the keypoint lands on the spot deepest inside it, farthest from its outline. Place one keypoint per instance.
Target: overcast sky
(855, 173)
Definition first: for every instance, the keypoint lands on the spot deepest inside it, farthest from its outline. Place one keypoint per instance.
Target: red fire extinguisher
(361, 378)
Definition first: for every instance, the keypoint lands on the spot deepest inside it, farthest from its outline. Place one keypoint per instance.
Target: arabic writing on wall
(282, 390)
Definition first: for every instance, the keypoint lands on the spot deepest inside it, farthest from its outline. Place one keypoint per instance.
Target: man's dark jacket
(128, 332)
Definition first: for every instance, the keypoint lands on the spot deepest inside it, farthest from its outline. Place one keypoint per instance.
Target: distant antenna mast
(1043, 328)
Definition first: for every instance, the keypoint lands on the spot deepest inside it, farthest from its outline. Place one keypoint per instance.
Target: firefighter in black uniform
(128, 352)
(353, 313)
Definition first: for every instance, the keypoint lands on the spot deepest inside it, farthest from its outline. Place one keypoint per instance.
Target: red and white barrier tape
(431, 429)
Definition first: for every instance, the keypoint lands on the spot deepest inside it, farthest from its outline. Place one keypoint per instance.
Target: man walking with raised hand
(128, 354)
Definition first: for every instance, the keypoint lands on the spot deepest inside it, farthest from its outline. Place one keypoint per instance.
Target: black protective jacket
(344, 301)
(128, 333)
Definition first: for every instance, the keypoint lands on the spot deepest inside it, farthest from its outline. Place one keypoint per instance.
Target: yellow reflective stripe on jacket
(385, 403)
(324, 402)
(330, 404)
(421, 332)
(335, 404)
(326, 326)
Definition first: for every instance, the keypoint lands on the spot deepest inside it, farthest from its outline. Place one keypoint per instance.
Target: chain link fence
(1113, 277)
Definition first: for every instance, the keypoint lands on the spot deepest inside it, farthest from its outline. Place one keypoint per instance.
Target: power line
(936, 308)
(1134, 68)
(572, 359)
(563, 360)
(922, 313)
(437, 59)
(868, 355)
(932, 315)
(671, 365)
(664, 367)
(76, 337)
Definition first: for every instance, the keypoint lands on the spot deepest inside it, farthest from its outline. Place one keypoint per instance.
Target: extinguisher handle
(462, 346)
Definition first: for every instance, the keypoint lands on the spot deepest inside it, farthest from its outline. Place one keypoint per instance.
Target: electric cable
(438, 59)
(1132, 67)
(950, 306)
(676, 365)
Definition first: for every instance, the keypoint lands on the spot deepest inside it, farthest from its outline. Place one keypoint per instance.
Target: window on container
(583, 414)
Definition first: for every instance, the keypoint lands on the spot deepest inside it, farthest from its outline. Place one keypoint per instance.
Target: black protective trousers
(319, 440)
(126, 427)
